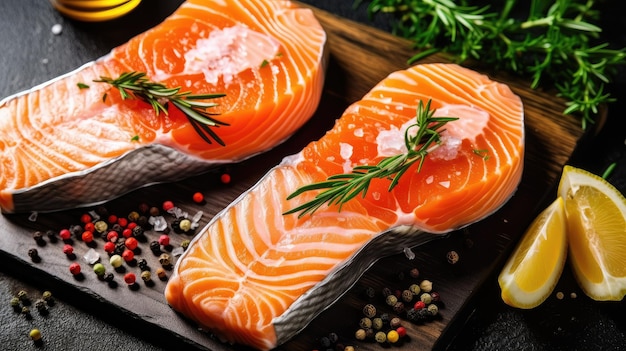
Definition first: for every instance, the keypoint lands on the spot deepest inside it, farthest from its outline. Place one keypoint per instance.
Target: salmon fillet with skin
(257, 277)
(62, 146)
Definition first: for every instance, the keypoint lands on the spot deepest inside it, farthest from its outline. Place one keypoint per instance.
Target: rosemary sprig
(552, 42)
(341, 188)
(137, 85)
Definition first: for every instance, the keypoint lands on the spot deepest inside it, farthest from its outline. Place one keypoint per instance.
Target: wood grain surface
(360, 56)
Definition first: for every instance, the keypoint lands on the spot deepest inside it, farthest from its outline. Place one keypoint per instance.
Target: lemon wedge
(596, 220)
(536, 264)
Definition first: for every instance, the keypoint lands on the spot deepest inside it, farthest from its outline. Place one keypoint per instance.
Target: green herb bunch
(553, 42)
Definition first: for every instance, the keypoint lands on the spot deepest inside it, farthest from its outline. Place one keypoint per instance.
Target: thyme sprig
(136, 85)
(341, 188)
(555, 43)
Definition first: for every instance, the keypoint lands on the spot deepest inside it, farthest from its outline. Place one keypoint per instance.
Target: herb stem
(136, 85)
(341, 188)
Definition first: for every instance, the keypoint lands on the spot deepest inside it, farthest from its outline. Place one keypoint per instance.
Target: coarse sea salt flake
(358, 132)
(430, 179)
(445, 184)
(91, 256)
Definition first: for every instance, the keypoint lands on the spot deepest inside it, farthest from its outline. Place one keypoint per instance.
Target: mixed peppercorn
(387, 313)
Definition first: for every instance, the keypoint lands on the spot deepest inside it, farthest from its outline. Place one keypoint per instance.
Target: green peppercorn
(407, 295)
(185, 225)
(185, 244)
(349, 348)
(377, 323)
(380, 337)
(46, 296)
(365, 323)
(101, 227)
(426, 298)
(369, 310)
(15, 303)
(23, 296)
(391, 300)
(415, 289)
(99, 269)
(360, 334)
(116, 261)
(26, 311)
(165, 260)
(426, 286)
(433, 309)
(146, 276)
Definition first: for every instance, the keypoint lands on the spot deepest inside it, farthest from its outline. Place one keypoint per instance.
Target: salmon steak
(258, 273)
(65, 143)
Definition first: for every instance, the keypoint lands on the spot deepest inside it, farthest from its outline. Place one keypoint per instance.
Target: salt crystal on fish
(409, 253)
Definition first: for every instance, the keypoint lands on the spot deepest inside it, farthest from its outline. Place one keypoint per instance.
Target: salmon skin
(62, 146)
(256, 276)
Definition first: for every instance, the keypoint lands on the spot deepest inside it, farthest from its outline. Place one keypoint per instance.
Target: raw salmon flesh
(62, 146)
(255, 276)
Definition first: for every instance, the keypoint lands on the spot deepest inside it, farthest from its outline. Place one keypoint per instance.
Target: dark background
(31, 54)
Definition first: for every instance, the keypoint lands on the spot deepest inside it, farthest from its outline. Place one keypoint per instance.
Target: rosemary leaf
(338, 189)
(136, 85)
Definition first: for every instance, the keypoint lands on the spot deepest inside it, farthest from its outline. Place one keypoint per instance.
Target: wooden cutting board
(360, 56)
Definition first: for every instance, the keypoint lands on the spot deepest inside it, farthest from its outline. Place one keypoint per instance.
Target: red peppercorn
(65, 234)
(85, 218)
(131, 225)
(112, 236)
(131, 243)
(167, 205)
(87, 236)
(419, 305)
(112, 219)
(75, 268)
(198, 197)
(225, 178)
(123, 222)
(128, 255)
(109, 247)
(90, 227)
(130, 278)
(164, 240)
(127, 233)
(68, 249)
(401, 331)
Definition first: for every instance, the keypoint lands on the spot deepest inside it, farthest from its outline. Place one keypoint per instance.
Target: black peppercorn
(15, 303)
(325, 342)
(398, 307)
(34, 255)
(155, 247)
(333, 337)
(117, 228)
(143, 264)
(414, 273)
(52, 236)
(370, 292)
(175, 225)
(38, 236)
(108, 277)
(77, 231)
(386, 292)
(138, 231)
